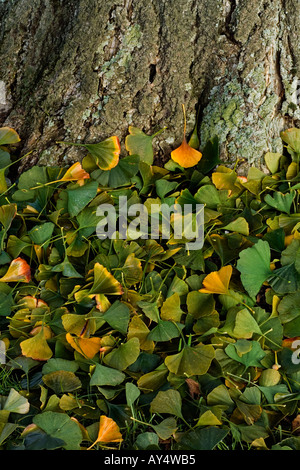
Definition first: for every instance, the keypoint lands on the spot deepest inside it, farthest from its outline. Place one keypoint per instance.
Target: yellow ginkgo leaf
(18, 271)
(102, 302)
(185, 155)
(75, 172)
(37, 347)
(104, 282)
(217, 282)
(108, 431)
(88, 347)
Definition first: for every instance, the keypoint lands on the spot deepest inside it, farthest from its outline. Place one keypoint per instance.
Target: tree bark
(83, 70)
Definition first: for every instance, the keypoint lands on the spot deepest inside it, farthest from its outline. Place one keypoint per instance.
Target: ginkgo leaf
(185, 155)
(167, 401)
(18, 271)
(281, 202)
(36, 347)
(170, 309)
(73, 323)
(109, 431)
(126, 354)
(102, 302)
(104, 282)
(7, 214)
(208, 418)
(75, 172)
(217, 282)
(139, 143)
(191, 360)
(106, 153)
(239, 225)
(254, 266)
(16, 403)
(224, 178)
(88, 347)
(132, 270)
(8, 136)
(138, 329)
(292, 138)
(62, 381)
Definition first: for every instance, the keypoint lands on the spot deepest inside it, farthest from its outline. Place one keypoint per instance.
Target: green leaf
(191, 360)
(132, 393)
(208, 195)
(170, 309)
(39, 440)
(220, 396)
(124, 355)
(62, 381)
(275, 238)
(6, 431)
(292, 138)
(168, 401)
(272, 161)
(164, 331)
(239, 225)
(8, 136)
(103, 375)
(57, 364)
(118, 316)
(139, 143)
(7, 214)
(240, 323)
(79, 197)
(60, 426)
(291, 255)
(203, 438)
(16, 403)
(254, 266)
(284, 280)
(200, 304)
(166, 428)
(210, 156)
(40, 234)
(120, 175)
(251, 358)
(66, 268)
(281, 202)
(147, 441)
(163, 187)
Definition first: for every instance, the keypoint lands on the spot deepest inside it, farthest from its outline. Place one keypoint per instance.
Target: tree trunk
(83, 70)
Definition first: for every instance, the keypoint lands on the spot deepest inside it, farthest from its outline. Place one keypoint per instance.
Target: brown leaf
(296, 425)
(194, 388)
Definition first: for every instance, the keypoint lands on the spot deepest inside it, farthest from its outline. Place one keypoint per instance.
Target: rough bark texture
(83, 70)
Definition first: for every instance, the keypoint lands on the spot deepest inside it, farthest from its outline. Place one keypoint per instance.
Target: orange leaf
(185, 155)
(18, 271)
(288, 342)
(108, 431)
(217, 282)
(88, 347)
(75, 172)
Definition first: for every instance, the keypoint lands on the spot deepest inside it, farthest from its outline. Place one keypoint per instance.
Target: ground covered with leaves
(142, 344)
